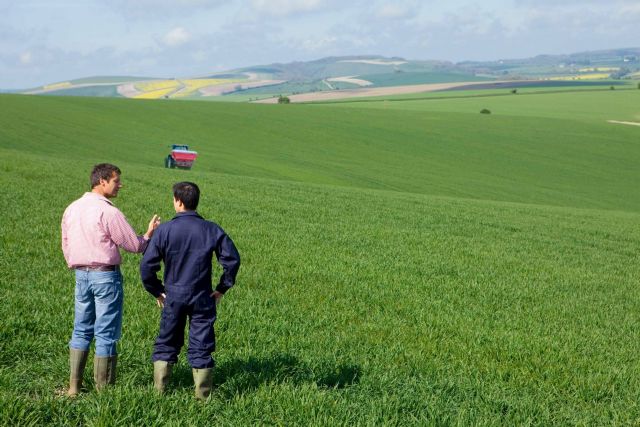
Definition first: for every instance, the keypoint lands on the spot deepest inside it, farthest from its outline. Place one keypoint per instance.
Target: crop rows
(358, 301)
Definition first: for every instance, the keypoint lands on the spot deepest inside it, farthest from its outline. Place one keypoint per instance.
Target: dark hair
(188, 193)
(103, 171)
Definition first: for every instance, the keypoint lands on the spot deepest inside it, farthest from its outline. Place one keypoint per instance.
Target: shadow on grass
(245, 375)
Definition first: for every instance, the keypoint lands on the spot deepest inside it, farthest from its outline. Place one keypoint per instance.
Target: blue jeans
(98, 311)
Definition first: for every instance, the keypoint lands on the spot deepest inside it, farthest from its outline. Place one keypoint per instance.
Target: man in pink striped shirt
(92, 231)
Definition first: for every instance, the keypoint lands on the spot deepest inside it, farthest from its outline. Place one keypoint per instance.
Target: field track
(367, 92)
(624, 123)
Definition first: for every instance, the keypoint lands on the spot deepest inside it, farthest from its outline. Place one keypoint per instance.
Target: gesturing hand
(153, 224)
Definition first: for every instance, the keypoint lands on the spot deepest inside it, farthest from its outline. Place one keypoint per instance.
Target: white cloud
(44, 41)
(286, 7)
(176, 37)
(392, 11)
(574, 22)
(477, 23)
(26, 58)
(319, 43)
(200, 56)
(630, 8)
(155, 9)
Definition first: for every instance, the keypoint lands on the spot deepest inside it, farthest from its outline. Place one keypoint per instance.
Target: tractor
(181, 157)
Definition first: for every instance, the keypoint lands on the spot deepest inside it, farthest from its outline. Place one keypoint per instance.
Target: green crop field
(286, 88)
(403, 78)
(588, 106)
(408, 263)
(521, 88)
(96, 91)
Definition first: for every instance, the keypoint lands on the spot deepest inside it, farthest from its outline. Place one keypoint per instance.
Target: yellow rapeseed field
(192, 85)
(155, 94)
(590, 76)
(159, 88)
(599, 69)
(153, 85)
(156, 89)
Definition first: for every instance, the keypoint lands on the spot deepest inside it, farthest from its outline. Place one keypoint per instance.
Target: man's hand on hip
(160, 300)
(217, 296)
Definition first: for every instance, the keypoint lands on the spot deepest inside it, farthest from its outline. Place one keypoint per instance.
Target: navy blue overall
(186, 245)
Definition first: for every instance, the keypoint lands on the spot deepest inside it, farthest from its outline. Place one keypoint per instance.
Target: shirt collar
(187, 213)
(96, 196)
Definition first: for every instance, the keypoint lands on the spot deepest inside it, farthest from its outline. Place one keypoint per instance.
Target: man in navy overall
(186, 245)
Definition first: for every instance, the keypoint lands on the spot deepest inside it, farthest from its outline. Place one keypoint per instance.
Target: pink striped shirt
(92, 231)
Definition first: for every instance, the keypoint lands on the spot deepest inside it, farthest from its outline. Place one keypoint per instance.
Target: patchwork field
(421, 91)
(365, 92)
(408, 262)
(148, 88)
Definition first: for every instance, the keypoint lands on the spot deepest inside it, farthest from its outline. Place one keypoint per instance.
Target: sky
(47, 41)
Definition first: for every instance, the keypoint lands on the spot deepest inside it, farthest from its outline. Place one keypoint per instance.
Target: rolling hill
(410, 262)
(352, 72)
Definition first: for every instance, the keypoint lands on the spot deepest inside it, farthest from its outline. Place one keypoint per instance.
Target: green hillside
(516, 154)
(621, 65)
(415, 265)
(96, 91)
(490, 89)
(334, 67)
(109, 79)
(402, 78)
(627, 60)
(591, 106)
(287, 88)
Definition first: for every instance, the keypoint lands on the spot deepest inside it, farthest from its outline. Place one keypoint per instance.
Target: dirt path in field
(351, 79)
(367, 92)
(328, 85)
(624, 123)
(73, 86)
(128, 90)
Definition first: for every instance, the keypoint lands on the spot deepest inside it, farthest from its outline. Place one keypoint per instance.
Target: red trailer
(181, 157)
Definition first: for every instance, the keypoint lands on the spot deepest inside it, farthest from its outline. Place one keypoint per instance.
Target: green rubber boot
(203, 379)
(77, 362)
(161, 374)
(104, 371)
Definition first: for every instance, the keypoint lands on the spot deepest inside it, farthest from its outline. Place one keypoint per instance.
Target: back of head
(103, 171)
(188, 193)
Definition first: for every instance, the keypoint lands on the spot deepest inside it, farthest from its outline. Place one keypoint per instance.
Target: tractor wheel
(169, 163)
